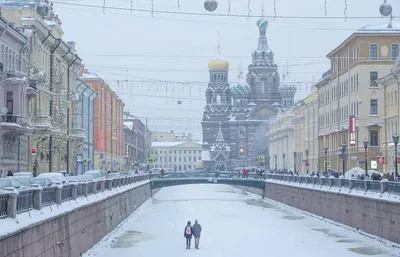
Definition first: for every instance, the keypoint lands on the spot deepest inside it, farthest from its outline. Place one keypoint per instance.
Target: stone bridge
(174, 179)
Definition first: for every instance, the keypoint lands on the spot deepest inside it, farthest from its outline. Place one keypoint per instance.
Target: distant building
(84, 121)
(177, 156)
(109, 152)
(137, 141)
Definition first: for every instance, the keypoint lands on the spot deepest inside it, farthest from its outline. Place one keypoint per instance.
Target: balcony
(41, 122)
(77, 132)
(13, 122)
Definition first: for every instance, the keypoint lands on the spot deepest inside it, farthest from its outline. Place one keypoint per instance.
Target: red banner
(352, 130)
(100, 138)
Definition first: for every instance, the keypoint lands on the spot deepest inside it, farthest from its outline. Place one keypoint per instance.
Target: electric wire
(152, 11)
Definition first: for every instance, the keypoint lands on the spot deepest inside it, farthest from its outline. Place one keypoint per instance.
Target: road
(235, 223)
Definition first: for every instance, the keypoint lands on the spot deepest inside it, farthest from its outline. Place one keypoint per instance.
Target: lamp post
(294, 161)
(396, 142)
(326, 160)
(307, 164)
(344, 158)
(276, 165)
(284, 162)
(365, 142)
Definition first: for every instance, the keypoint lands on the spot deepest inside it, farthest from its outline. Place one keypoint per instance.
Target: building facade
(109, 147)
(171, 136)
(139, 139)
(242, 112)
(15, 91)
(52, 66)
(351, 103)
(84, 121)
(177, 156)
(390, 83)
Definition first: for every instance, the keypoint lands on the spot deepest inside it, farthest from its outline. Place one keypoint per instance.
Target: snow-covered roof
(205, 155)
(382, 28)
(165, 144)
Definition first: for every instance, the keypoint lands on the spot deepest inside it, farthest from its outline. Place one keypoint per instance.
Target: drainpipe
(68, 91)
(23, 49)
(82, 115)
(91, 138)
(51, 102)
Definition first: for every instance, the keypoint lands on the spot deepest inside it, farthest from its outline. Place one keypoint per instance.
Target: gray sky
(121, 45)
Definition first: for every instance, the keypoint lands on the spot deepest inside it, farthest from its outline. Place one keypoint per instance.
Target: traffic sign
(398, 160)
(327, 164)
(33, 151)
(261, 158)
(307, 164)
(380, 159)
(150, 160)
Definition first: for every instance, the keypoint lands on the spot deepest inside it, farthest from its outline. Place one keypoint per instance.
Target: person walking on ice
(196, 233)
(187, 233)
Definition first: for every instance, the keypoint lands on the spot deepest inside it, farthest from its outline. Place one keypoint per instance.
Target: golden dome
(218, 64)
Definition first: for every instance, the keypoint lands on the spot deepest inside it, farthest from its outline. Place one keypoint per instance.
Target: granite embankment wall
(374, 216)
(252, 190)
(73, 233)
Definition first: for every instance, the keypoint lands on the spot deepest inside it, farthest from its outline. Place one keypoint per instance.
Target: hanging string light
(179, 4)
(345, 10)
(211, 5)
(229, 7)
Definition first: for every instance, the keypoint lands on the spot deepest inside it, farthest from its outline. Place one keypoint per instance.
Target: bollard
(85, 189)
(12, 202)
(103, 185)
(58, 194)
(94, 187)
(74, 193)
(37, 196)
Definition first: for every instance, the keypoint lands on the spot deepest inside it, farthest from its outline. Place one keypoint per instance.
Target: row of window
(161, 152)
(175, 167)
(373, 139)
(179, 159)
(338, 116)
(340, 90)
(391, 98)
(373, 51)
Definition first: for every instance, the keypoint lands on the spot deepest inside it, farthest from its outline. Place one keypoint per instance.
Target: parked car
(23, 174)
(55, 177)
(24, 180)
(42, 181)
(10, 182)
(95, 174)
(82, 178)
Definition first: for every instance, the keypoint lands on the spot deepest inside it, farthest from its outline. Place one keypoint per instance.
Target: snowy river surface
(235, 224)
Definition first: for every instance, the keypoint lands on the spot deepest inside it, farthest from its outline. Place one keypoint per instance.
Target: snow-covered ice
(235, 223)
(32, 217)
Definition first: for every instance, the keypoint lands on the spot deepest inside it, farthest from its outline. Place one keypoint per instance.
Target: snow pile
(25, 219)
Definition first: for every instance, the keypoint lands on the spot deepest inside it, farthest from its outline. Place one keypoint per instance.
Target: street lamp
(396, 142)
(284, 162)
(365, 142)
(344, 158)
(276, 165)
(326, 160)
(307, 164)
(294, 161)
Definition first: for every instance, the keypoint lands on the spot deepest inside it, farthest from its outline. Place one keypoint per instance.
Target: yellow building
(390, 84)
(305, 133)
(350, 102)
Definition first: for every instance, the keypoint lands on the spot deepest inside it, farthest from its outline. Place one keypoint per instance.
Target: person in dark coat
(188, 233)
(9, 173)
(196, 233)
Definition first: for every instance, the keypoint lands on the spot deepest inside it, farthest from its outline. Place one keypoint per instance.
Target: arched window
(218, 99)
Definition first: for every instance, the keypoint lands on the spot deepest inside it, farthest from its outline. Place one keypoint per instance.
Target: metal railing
(373, 186)
(38, 197)
(169, 175)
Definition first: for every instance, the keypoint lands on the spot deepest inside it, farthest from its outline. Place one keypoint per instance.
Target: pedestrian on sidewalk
(196, 233)
(188, 233)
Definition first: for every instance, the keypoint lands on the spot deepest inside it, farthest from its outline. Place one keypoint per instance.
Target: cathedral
(236, 117)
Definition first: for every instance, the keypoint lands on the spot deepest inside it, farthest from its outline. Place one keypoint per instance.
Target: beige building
(177, 156)
(171, 137)
(280, 141)
(390, 84)
(351, 89)
(53, 67)
(306, 133)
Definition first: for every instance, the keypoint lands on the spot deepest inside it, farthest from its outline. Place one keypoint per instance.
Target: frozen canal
(235, 224)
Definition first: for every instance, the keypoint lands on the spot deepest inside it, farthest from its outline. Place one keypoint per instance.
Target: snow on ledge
(35, 217)
(392, 198)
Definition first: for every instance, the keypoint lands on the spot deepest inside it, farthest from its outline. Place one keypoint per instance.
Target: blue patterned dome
(262, 23)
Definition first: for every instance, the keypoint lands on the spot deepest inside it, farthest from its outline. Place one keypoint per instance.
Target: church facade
(236, 117)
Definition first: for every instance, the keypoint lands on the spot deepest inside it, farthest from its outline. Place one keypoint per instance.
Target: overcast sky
(131, 46)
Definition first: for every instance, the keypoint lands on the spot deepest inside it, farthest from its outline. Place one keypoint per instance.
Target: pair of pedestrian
(190, 231)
